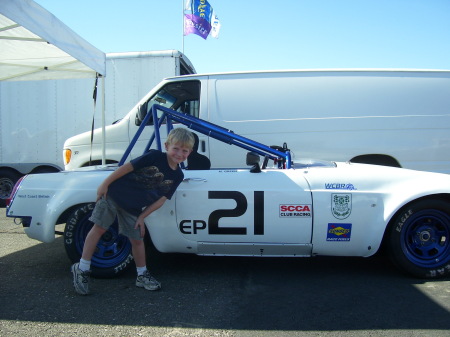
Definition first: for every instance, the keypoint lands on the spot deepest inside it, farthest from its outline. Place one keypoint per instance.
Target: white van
(387, 117)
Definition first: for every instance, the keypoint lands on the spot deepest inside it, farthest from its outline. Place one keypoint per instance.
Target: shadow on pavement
(327, 294)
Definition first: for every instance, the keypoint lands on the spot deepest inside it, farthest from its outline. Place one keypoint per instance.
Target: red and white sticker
(295, 211)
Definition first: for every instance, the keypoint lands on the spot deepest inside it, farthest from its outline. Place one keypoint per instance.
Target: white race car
(295, 209)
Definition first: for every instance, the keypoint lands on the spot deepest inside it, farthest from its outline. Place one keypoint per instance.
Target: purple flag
(196, 25)
(201, 20)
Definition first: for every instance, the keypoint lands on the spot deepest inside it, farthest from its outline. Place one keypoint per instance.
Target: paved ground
(246, 297)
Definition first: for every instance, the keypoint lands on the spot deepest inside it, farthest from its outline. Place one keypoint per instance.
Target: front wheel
(113, 253)
(419, 239)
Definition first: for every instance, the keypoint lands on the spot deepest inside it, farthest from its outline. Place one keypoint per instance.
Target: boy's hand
(141, 225)
(146, 212)
(102, 191)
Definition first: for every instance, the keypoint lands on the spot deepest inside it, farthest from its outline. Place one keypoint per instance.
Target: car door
(236, 212)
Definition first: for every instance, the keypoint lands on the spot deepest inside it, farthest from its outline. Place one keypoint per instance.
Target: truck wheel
(113, 254)
(376, 159)
(419, 239)
(8, 179)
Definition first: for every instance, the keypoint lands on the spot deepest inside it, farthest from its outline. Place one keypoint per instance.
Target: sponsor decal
(295, 210)
(33, 196)
(341, 205)
(339, 231)
(339, 186)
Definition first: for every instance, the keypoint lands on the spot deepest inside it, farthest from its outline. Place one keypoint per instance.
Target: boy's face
(177, 153)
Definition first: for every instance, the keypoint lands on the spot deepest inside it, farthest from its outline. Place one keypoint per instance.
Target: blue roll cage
(282, 159)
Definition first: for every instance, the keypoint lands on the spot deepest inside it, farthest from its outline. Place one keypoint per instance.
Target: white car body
(377, 192)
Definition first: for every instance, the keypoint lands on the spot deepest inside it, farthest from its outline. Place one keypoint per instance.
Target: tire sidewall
(396, 235)
(75, 232)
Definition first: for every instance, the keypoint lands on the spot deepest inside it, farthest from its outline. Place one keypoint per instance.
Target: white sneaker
(147, 281)
(80, 279)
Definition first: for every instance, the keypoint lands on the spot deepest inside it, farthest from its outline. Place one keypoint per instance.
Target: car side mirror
(253, 160)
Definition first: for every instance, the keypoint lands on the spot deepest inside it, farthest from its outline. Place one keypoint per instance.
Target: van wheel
(46, 169)
(376, 159)
(112, 256)
(8, 179)
(419, 239)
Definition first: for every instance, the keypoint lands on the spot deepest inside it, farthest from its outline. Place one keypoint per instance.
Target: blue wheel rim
(112, 248)
(425, 238)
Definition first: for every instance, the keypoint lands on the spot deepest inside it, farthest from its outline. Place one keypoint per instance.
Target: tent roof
(35, 45)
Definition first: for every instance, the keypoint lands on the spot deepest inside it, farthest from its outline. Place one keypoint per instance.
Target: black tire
(113, 254)
(8, 179)
(418, 239)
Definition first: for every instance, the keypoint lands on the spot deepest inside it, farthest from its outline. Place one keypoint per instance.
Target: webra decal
(341, 205)
(337, 186)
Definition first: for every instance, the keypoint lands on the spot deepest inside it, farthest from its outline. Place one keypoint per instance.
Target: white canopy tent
(35, 45)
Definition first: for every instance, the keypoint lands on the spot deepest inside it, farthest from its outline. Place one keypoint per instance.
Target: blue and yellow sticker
(339, 231)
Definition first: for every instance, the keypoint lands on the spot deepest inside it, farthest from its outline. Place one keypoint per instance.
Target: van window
(181, 96)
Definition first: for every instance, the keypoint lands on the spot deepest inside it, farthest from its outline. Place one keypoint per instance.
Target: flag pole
(182, 26)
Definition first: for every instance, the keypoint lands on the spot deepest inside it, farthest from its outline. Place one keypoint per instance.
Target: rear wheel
(113, 253)
(419, 239)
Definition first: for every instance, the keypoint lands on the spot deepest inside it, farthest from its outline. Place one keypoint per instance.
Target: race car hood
(397, 186)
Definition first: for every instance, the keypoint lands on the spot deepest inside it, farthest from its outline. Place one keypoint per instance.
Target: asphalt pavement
(216, 296)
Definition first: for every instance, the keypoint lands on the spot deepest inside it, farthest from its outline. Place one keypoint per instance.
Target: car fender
(375, 198)
(48, 196)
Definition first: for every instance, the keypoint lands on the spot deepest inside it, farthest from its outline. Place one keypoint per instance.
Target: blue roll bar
(283, 159)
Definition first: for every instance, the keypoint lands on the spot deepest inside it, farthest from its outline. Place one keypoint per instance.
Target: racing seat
(197, 161)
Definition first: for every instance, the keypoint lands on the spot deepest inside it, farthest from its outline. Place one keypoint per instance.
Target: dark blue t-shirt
(151, 179)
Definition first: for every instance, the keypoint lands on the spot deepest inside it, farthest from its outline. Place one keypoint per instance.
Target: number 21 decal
(193, 226)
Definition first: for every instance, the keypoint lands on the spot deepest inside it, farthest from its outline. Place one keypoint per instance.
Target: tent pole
(103, 122)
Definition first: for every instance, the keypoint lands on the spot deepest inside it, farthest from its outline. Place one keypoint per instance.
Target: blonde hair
(181, 136)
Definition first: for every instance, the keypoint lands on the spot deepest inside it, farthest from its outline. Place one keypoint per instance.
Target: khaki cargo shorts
(106, 211)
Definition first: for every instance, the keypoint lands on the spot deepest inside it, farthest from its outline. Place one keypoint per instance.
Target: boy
(133, 192)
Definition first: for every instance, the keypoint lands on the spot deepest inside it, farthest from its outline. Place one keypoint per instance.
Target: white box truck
(386, 117)
(36, 117)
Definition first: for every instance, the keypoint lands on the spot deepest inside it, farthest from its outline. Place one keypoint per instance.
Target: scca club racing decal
(291, 210)
(341, 205)
(339, 231)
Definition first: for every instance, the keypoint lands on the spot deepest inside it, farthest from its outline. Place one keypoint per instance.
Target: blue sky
(264, 35)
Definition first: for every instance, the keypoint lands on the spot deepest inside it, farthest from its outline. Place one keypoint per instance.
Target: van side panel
(337, 115)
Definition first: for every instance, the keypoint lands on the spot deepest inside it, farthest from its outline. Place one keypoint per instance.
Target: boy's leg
(92, 239)
(138, 249)
(127, 223)
(81, 271)
(103, 215)
(144, 279)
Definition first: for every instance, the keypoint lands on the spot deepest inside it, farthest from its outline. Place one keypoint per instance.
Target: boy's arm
(120, 172)
(147, 211)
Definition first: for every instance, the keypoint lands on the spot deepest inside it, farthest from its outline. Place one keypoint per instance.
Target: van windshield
(183, 96)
